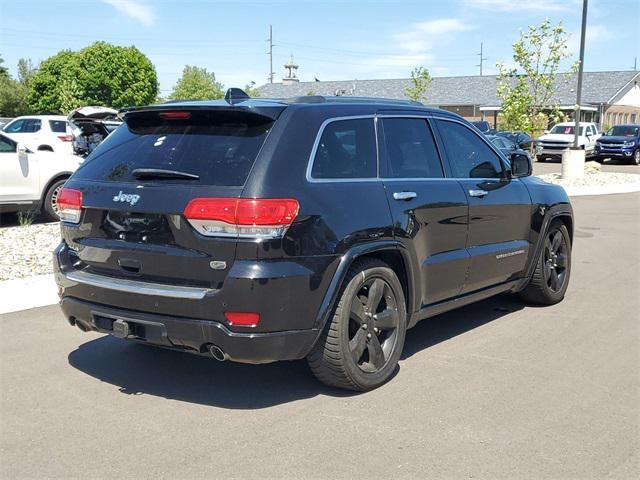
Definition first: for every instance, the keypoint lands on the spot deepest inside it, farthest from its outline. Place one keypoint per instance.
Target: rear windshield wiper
(162, 173)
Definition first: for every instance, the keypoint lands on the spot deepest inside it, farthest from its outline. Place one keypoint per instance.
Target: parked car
(90, 126)
(522, 139)
(41, 133)
(561, 137)
(484, 126)
(621, 141)
(259, 230)
(32, 180)
(506, 146)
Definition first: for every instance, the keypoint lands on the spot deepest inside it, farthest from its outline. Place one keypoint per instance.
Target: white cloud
(513, 6)
(423, 35)
(595, 34)
(134, 9)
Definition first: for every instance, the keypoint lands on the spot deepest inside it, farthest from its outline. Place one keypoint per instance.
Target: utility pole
(482, 58)
(635, 63)
(580, 71)
(270, 53)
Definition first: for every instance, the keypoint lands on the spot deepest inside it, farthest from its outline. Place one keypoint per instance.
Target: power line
(270, 53)
(482, 58)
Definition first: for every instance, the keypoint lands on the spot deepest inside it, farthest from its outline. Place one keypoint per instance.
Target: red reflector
(69, 198)
(244, 211)
(66, 138)
(175, 115)
(244, 319)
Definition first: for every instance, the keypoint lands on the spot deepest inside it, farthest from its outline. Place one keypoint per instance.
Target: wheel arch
(392, 253)
(52, 180)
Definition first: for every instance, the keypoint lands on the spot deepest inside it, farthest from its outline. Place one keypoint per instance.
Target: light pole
(573, 158)
(580, 71)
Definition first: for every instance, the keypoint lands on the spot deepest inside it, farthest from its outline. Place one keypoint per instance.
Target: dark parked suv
(264, 230)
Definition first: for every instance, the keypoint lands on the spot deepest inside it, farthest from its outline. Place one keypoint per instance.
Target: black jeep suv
(263, 230)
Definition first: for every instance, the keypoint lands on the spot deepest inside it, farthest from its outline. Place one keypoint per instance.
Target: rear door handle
(477, 193)
(404, 195)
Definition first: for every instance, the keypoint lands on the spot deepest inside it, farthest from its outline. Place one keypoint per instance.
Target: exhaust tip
(217, 353)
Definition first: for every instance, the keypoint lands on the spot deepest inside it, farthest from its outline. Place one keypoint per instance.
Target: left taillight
(242, 217)
(69, 203)
(66, 138)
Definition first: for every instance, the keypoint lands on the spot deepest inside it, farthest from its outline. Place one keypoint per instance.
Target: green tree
(197, 84)
(100, 74)
(26, 71)
(13, 93)
(527, 90)
(46, 85)
(4, 71)
(251, 90)
(420, 81)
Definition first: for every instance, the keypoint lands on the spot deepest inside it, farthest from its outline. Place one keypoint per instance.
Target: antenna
(482, 58)
(270, 53)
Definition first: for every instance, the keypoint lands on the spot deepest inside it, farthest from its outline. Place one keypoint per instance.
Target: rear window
(218, 146)
(347, 149)
(58, 126)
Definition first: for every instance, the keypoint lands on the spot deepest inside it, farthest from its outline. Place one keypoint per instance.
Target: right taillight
(69, 202)
(242, 217)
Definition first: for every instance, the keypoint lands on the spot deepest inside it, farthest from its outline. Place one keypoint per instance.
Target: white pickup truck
(561, 136)
(32, 180)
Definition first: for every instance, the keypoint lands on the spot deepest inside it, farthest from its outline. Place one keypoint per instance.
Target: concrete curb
(25, 293)
(584, 190)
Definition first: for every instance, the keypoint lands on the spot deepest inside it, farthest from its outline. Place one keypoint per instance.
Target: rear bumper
(191, 335)
(192, 318)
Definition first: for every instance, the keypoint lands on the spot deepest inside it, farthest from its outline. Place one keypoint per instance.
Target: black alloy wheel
(373, 325)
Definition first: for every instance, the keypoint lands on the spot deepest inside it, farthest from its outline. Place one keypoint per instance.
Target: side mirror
(546, 132)
(22, 150)
(521, 165)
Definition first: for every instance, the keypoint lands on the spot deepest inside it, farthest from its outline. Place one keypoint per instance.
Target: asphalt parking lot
(494, 390)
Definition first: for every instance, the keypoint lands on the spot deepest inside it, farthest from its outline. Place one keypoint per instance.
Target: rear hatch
(136, 185)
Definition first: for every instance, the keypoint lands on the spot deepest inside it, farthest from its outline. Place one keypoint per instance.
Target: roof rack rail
(348, 99)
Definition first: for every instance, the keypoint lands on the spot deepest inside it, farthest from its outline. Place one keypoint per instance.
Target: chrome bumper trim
(139, 287)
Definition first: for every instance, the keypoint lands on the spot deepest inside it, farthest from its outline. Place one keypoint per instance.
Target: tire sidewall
(367, 380)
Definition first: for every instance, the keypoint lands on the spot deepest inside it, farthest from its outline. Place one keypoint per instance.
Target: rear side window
(218, 146)
(410, 148)
(58, 126)
(31, 125)
(470, 157)
(347, 149)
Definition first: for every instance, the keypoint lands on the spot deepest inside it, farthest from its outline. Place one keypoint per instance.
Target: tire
(49, 207)
(600, 160)
(635, 160)
(358, 351)
(541, 159)
(550, 279)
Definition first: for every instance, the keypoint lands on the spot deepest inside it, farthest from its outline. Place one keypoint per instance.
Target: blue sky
(331, 40)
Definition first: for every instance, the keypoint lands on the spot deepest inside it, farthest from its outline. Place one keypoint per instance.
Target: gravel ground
(593, 179)
(26, 251)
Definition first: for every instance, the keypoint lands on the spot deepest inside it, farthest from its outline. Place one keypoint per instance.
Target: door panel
(18, 174)
(499, 228)
(433, 226)
(429, 211)
(499, 207)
